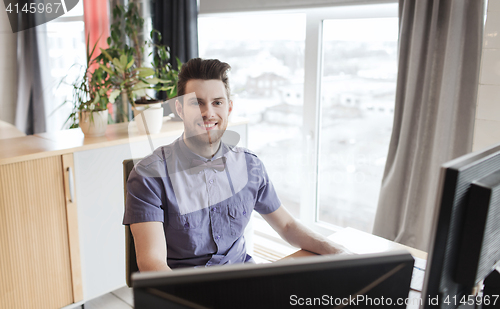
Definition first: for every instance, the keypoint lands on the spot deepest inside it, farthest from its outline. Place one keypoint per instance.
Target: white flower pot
(93, 124)
(153, 117)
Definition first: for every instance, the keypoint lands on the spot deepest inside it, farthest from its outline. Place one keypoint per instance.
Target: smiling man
(189, 202)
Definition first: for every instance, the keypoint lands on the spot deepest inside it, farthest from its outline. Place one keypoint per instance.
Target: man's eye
(218, 103)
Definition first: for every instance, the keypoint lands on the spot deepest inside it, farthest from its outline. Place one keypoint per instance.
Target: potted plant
(127, 74)
(90, 99)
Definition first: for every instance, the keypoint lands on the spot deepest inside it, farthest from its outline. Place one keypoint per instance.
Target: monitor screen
(466, 243)
(364, 281)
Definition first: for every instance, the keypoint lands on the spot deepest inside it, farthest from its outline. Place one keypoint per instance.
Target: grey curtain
(30, 108)
(177, 20)
(439, 60)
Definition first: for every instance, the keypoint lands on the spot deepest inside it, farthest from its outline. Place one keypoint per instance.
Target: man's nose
(207, 111)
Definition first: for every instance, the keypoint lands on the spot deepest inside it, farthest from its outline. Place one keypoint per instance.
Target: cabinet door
(35, 266)
(73, 233)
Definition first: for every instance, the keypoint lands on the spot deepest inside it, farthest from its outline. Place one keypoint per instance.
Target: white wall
(487, 126)
(8, 70)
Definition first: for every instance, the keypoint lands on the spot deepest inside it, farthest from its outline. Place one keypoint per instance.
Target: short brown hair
(204, 69)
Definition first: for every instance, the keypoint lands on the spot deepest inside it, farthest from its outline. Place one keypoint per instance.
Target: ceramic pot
(93, 124)
(151, 117)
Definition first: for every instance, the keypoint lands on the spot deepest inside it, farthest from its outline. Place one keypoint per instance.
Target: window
(66, 54)
(358, 85)
(324, 142)
(266, 53)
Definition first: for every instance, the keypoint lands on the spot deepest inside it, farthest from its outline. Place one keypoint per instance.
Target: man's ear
(178, 109)
(230, 107)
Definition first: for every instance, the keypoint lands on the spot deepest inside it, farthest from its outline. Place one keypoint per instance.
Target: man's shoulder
(153, 158)
(249, 156)
(158, 155)
(246, 151)
(153, 165)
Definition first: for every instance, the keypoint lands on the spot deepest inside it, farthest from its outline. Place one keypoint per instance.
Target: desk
(363, 243)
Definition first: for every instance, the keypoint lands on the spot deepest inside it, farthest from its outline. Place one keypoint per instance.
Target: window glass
(266, 53)
(357, 108)
(66, 53)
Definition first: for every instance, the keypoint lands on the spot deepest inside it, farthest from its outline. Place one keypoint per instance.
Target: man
(189, 202)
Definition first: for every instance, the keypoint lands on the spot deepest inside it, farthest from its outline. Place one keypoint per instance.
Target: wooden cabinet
(39, 250)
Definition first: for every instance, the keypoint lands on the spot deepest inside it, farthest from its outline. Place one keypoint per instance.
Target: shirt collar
(190, 155)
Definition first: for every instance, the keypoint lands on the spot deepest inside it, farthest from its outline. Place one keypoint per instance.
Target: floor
(118, 299)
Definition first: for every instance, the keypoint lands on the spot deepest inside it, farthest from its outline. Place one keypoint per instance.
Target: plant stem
(124, 106)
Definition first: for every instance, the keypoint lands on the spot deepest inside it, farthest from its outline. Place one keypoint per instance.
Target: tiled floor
(119, 299)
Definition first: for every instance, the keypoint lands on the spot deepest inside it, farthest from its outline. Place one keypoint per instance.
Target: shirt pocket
(184, 222)
(239, 215)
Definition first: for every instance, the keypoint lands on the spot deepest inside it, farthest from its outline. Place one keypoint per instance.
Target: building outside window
(325, 149)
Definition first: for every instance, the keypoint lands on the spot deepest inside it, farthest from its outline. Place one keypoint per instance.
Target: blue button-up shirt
(204, 212)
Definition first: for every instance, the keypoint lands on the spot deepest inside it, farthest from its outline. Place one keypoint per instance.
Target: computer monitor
(363, 281)
(465, 247)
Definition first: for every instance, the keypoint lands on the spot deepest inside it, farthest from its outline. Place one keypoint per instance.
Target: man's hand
(336, 248)
(150, 246)
(298, 235)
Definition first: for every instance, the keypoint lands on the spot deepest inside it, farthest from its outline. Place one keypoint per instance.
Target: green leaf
(139, 86)
(123, 61)
(118, 65)
(130, 64)
(156, 80)
(145, 72)
(105, 68)
(113, 95)
(105, 53)
(153, 80)
(97, 98)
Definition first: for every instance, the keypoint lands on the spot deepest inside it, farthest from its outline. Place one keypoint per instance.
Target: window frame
(313, 63)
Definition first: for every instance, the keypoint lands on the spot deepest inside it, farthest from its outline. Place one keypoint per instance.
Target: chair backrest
(130, 258)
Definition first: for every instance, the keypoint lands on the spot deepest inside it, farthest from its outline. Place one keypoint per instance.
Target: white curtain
(439, 59)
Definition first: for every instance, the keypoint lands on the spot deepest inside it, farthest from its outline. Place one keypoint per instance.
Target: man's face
(205, 111)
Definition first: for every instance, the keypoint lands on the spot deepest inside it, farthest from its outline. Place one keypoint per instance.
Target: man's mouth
(208, 125)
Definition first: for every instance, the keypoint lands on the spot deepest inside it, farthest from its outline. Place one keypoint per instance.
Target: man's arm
(298, 235)
(150, 246)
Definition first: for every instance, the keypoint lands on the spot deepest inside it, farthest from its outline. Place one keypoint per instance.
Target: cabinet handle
(71, 187)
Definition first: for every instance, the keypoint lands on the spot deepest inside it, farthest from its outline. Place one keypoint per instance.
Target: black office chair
(130, 258)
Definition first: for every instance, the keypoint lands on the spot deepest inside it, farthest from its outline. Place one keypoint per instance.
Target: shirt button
(211, 181)
(244, 212)
(214, 208)
(186, 224)
(218, 237)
